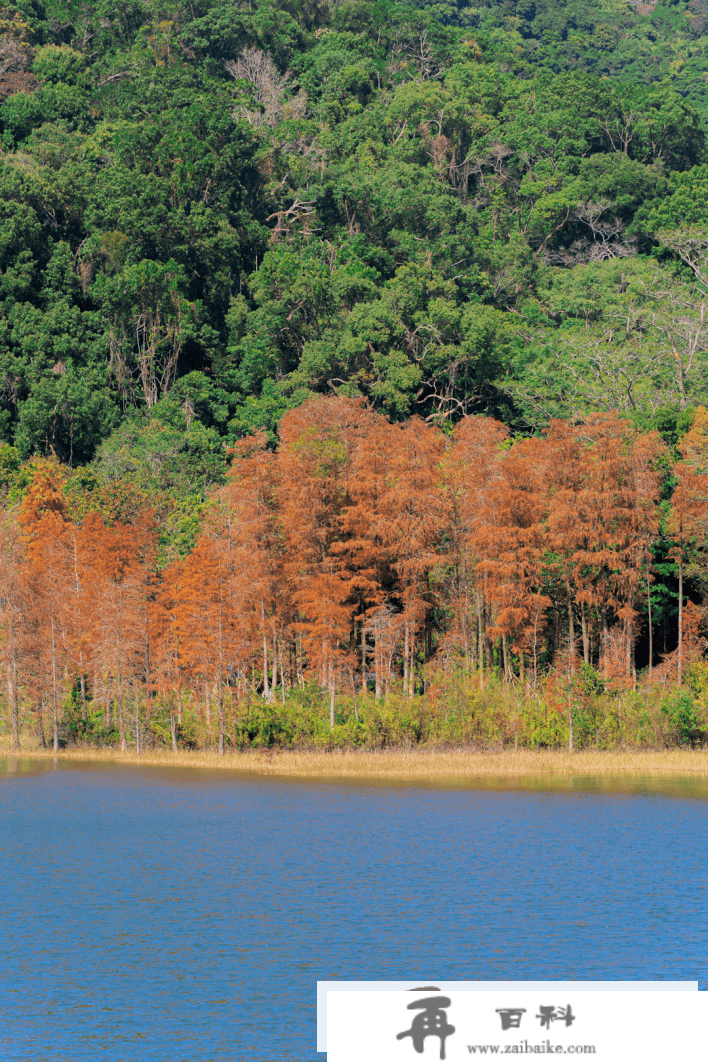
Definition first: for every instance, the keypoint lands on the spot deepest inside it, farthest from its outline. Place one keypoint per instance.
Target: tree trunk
(121, 725)
(605, 633)
(377, 665)
(680, 620)
(356, 712)
(173, 730)
(571, 626)
(221, 715)
(584, 625)
(266, 688)
(650, 630)
(40, 725)
(405, 658)
(300, 662)
(411, 667)
(84, 711)
(55, 712)
(221, 659)
(480, 652)
(121, 721)
(12, 700)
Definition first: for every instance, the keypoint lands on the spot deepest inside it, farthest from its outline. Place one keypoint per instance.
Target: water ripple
(161, 915)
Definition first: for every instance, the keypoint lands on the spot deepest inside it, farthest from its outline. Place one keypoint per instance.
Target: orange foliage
(357, 551)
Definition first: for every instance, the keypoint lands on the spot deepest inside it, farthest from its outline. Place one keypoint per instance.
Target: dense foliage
(211, 211)
(214, 215)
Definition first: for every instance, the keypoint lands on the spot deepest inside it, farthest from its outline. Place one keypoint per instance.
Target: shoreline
(453, 765)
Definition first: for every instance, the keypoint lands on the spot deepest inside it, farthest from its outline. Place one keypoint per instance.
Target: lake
(159, 914)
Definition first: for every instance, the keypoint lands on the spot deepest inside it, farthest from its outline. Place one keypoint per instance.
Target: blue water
(163, 915)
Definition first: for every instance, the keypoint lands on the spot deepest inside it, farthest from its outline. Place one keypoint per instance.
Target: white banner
(324, 987)
(429, 1024)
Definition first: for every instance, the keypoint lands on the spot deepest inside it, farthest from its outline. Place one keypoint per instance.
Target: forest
(354, 365)
(367, 561)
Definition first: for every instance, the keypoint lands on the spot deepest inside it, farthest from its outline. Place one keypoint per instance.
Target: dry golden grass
(456, 766)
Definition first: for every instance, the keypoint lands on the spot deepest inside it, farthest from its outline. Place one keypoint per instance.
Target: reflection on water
(155, 914)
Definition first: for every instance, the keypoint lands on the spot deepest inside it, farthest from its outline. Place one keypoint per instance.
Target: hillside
(210, 213)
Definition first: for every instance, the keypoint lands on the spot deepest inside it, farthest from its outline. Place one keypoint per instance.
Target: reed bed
(458, 765)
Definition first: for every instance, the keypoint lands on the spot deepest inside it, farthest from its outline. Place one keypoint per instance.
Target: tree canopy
(442, 209)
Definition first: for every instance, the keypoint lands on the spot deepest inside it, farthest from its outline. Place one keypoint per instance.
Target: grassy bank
(435, 765)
